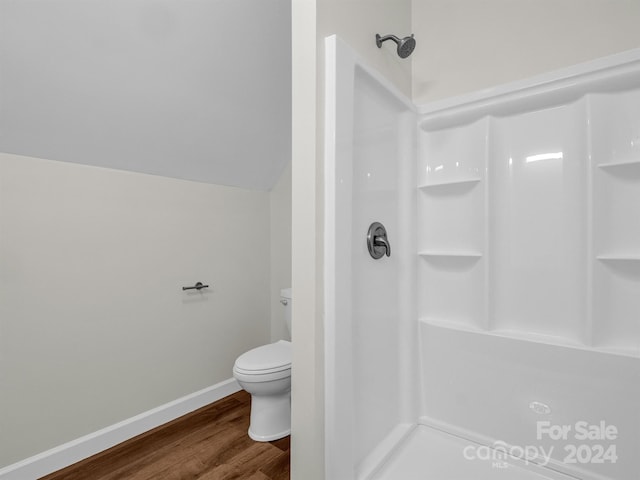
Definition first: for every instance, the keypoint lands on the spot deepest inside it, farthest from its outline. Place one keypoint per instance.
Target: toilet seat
(274, 358)
(253, 377)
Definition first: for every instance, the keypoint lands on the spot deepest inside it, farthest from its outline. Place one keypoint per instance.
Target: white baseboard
(83, 447)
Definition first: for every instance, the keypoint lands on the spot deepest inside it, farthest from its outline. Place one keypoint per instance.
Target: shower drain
(540, 408)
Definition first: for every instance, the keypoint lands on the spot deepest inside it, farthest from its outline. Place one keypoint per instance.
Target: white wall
(94, 326)
(280, 207)
(307, 415)
(356, 22)
(167, 87)
(467, 45)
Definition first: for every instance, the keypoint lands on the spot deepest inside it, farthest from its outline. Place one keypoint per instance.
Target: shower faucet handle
(377, 241)
(380, 241)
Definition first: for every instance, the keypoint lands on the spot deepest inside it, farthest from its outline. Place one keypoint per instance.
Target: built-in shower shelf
(445, 253)
(465, 325)
(627, 163)
(619, 258)
(444, 183)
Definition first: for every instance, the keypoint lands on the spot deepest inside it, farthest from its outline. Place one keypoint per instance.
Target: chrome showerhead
(405, 45)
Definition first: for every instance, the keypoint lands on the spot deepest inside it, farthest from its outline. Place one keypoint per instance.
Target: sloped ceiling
(191, 89)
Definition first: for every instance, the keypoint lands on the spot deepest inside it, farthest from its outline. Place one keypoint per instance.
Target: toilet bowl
(265, 373)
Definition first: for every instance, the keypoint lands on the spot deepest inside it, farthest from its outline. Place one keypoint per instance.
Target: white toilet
(265, 373)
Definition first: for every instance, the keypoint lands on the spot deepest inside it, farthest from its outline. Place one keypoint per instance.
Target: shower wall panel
(369, 317)
(614, 132)
(482, 387)
(537, 214)
(529, 264)
(374, 293)
(451, 224)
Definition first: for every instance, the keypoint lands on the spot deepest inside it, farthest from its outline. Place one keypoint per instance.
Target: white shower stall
(501, 338)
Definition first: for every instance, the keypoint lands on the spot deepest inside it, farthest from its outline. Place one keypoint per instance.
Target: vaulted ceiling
(191, 89)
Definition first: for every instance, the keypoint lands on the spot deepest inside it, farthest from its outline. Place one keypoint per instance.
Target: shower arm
(380, 40)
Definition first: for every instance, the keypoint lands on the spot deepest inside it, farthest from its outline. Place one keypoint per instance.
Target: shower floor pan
(430, 454)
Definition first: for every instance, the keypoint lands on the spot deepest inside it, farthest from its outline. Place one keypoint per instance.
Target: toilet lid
(266, 359)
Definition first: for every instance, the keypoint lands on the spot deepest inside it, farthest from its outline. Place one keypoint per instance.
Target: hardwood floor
(208, 444)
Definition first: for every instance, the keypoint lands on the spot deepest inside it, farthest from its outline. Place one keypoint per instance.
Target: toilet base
(270, 417)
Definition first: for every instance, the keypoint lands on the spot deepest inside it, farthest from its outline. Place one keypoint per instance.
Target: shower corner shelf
(622, 164)
(449, 253)
(619, 258)
(444, 183)
(460, 325)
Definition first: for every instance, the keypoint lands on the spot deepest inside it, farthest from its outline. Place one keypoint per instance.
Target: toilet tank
(285, 299)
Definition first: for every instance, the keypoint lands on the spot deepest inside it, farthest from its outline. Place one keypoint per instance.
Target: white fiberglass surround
(511, 299)
(370, 383)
